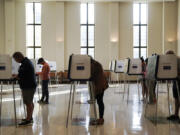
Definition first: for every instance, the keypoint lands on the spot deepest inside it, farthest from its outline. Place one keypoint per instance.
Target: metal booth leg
(138, 89)
(178, 91)
(168, 97)
(74, 89)
(1, 101)
(128, 91)
(69, 105)
(157, 102)
(14, 105)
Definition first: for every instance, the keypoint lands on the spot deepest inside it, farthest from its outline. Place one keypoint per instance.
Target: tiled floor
(121, 117)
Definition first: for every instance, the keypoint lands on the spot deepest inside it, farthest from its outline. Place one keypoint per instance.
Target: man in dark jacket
(27, 82)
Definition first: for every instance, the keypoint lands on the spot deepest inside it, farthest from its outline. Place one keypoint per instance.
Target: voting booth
(162, 67)
(52, 65)
(126, 65)
(6, 76)
(79, 68)
(119, 66)
(5, 67)
(15, 67)
(135, 67)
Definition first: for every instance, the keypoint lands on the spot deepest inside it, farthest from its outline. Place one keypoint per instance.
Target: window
(33, 30)
(140, 30)
(87, 29)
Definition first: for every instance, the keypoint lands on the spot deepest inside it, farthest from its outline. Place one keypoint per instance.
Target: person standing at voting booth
(143, 83)
(44, 75)
(27, 82)
(100, 84)
(175, 116)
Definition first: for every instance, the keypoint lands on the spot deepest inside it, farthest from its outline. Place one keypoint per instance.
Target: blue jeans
(45, 92)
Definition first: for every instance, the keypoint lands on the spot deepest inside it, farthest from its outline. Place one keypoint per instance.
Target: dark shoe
(97, 122)
(173, 118)
(26, 120)
(40, 101)
(46, 102)
(25, 123)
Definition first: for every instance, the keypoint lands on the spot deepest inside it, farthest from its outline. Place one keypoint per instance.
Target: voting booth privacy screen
(79, 67)
(126, 65)
(119, 66)
(162, 67)
(135, 67)
(15, 67)
(112, 66)
(5, 67)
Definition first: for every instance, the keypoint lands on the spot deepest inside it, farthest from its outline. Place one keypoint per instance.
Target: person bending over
(100, 84)
(27, 82)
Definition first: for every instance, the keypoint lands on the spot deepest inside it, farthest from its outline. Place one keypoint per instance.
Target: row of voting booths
(126, 67)
(159, 68)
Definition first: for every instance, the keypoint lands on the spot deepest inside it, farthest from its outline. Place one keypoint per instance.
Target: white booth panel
(79, 67)
(52, 65)
(119, 66)
(15, 67)
(162, 67)
(5, 67)
(167, 67)
(135, 67)
(126, 65)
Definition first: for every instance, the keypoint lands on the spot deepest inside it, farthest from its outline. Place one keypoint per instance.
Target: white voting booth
(5, 67)
(6, 76)
(162, 67)
(119, 66)
(52, 65)
(79, 67)
(15, 67)
(79, 70)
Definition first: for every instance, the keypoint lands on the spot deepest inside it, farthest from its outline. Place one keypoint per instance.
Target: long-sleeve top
(45, 72)
(26, 75)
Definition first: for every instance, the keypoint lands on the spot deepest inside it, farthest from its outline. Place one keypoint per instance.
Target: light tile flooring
(121, 117)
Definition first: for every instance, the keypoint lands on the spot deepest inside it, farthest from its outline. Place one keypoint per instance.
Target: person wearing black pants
(100, 84)
(100, 103)
(45, 92)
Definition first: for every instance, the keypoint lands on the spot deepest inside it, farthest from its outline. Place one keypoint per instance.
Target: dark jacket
(98, 78)
(27, 79)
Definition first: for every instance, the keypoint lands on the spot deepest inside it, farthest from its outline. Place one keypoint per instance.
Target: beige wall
(72, 30)
(2, 26)
(125, 30)
(102, 34)
(9, 26)
(178, 35)
(20, 27)
(157, 41)
(154, 28)
(53, 32)
(170, 26)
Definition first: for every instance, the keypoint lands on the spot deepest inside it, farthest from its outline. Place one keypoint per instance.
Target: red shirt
(45, 71)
